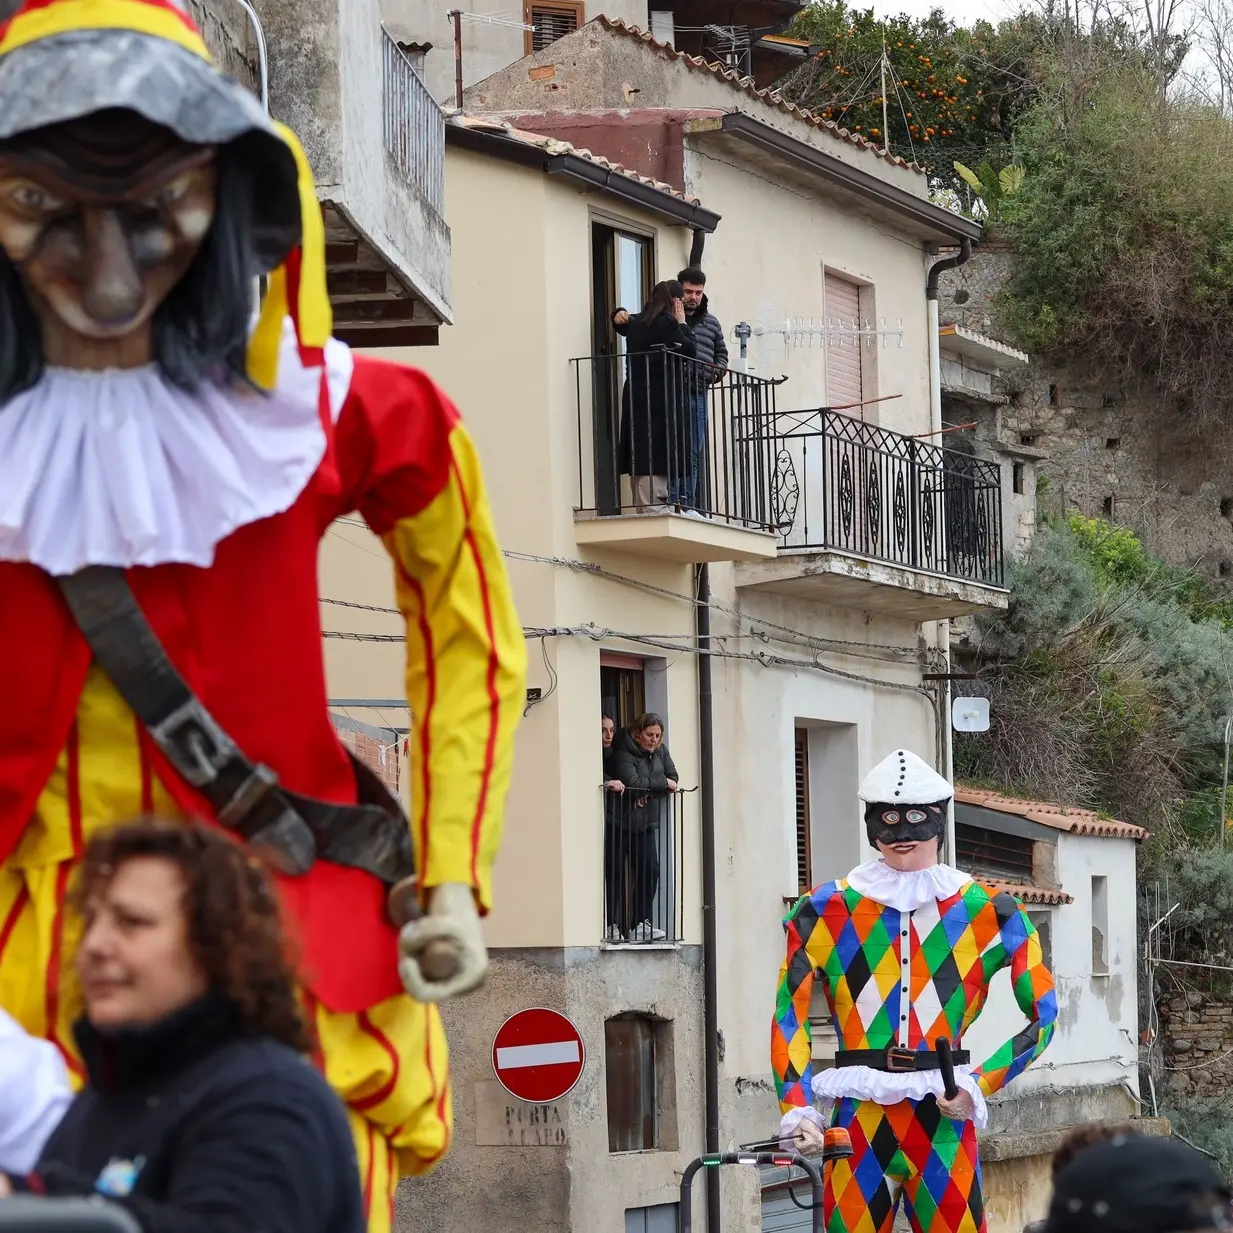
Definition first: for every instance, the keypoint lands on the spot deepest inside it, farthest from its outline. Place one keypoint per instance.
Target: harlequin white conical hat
(902, 778)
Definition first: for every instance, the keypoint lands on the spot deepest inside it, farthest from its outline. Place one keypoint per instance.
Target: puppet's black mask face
(891, 824)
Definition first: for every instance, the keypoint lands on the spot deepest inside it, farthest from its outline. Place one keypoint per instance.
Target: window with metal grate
(804, 862)
(990, 854)
(551, 20)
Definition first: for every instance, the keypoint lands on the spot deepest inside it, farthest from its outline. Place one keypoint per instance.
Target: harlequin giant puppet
(905, 948)
(167, 468)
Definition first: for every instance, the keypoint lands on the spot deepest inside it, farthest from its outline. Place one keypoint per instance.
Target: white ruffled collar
(121, 468)
(905, 892)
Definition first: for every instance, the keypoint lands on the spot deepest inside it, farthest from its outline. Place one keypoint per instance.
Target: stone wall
(1198, 1044)
(1117, 448)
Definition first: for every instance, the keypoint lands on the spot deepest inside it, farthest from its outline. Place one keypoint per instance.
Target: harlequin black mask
(891, 824)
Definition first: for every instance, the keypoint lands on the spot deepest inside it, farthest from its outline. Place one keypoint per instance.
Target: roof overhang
(976, 347)
(578, 170)
(930, 221)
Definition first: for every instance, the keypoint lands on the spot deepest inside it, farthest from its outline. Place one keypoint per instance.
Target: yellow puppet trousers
(389, 1063)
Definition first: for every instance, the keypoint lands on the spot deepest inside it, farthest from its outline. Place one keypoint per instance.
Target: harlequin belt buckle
(900, 1060)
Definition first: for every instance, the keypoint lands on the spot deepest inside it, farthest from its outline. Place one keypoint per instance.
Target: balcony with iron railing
(644, 835)
(375, 139)
(675, 458)
(873, 519)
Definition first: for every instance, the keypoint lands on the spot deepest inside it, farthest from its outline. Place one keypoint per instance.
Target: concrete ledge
(1012, 1145)
(850, 581)
(674, 537)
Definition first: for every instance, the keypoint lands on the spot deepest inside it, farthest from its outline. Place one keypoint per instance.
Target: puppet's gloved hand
(802, 1130)
(442, 954)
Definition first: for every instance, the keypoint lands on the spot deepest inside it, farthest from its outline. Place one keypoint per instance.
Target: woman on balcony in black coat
(656, 439)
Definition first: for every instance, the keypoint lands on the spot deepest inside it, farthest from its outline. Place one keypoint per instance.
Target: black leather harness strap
(289, 829)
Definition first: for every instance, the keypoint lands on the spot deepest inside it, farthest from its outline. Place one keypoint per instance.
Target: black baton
(946, 1064)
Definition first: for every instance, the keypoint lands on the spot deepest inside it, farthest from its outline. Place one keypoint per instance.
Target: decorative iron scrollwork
(901, 512)
(927, 526)
(847, 497)
(873, 506)
(785, 493)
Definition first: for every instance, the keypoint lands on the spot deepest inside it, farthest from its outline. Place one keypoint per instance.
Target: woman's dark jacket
(636, 768)
(194, 1127)
(656, 437)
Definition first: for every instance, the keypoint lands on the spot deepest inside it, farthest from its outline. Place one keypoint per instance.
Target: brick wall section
(368, 751)
(1117, 447)
(1198, 1044)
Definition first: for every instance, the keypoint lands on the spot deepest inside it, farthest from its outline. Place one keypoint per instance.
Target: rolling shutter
(843, 358)
(551, 22)
(804, 865)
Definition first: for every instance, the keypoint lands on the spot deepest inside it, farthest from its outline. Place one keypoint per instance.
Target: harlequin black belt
(897, 1060)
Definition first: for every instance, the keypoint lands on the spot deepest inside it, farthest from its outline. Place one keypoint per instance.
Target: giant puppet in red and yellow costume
(153, 436)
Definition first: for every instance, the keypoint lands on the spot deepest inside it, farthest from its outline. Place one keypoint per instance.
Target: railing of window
(660, 432)
(844, 484)
(644, 835)
(414, 125)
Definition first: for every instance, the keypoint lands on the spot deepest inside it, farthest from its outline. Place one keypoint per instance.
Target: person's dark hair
(235, 928)
(648, 720)
(1083, 1137)
(692, 274)
(662, 295)
(201, 330)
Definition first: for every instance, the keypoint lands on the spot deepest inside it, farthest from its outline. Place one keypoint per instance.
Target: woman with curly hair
(201, 1110)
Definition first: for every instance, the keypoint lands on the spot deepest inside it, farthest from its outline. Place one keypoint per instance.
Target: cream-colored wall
(523, 313)
(765, 265)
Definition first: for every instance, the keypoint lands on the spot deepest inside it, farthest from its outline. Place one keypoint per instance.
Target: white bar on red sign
(516, 1056)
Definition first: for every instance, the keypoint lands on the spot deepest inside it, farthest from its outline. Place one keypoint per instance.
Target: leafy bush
(1122, 234)
(1204, 1121)
(1109, 678)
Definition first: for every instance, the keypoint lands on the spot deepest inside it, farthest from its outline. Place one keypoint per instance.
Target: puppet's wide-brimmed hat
(63, 60)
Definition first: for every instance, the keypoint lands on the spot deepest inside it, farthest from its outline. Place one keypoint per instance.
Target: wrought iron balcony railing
(842, 484)
(643, 841)
(659, 432)
(414, 125)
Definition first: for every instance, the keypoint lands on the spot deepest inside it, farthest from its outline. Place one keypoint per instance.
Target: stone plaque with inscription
(502, 1121)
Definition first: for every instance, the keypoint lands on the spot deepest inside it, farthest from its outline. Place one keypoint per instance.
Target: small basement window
(990, 854)
(1017, 478)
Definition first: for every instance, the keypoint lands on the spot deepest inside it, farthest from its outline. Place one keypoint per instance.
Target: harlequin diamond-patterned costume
(210, 503)
(904, 959)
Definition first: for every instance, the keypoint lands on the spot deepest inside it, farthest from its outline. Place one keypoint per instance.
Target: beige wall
(765, 265)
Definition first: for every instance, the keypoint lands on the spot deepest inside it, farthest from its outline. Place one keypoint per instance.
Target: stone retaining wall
(1198, 1045)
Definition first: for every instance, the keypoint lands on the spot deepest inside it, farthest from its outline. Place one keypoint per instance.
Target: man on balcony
(690, 491)
(906, 948)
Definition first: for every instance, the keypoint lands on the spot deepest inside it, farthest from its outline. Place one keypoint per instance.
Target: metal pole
(710, 944)
(457, 16)
(262, 58)
(1224, 787)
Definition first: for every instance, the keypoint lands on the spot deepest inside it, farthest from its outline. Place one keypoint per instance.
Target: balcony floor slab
(674, 537)
(849, 581)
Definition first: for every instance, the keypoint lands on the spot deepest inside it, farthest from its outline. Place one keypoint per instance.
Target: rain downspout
(935, 425)
(710, 946)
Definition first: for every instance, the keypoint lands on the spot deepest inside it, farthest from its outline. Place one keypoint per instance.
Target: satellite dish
(970, 714)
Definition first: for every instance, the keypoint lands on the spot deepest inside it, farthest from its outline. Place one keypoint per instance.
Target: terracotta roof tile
(554, 146)
(1030, 894)
(750, 87)
(1074, 821)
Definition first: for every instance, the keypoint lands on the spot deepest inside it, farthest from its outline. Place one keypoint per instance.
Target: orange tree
(952, 93)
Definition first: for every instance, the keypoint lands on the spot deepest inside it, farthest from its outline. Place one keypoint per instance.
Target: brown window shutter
(844, 384)
(804, 865)
(552, 21)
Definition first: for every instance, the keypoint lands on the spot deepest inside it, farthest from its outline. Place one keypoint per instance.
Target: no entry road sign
(538, 1055)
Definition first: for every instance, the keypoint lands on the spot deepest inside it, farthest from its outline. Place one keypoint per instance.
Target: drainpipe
(935, 424)
(710, 948)
(695, 251)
